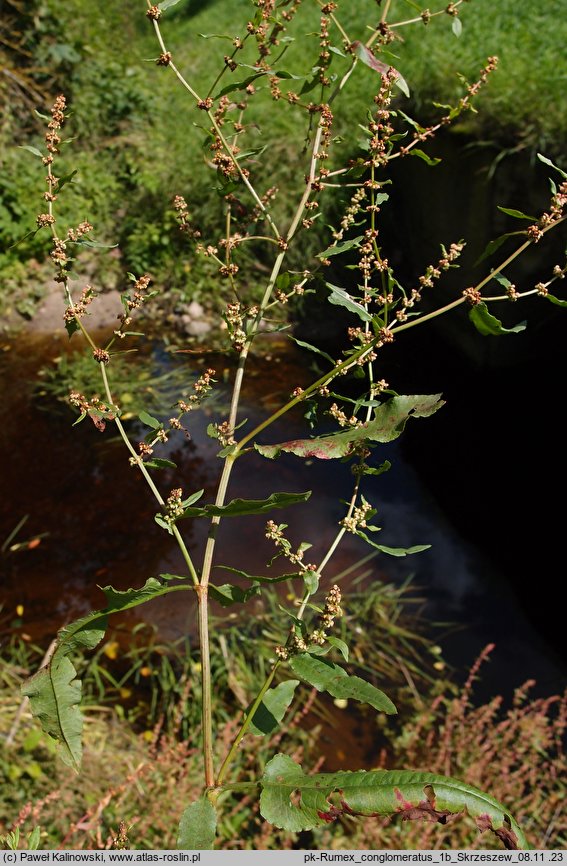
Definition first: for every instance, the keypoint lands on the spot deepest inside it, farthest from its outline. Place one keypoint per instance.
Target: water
(97, 514)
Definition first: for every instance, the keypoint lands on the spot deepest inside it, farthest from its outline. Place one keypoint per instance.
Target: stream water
(97, 517)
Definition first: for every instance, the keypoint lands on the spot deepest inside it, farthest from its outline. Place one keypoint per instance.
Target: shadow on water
(98, 516)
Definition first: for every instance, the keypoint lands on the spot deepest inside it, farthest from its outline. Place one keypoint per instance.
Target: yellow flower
(111, 649)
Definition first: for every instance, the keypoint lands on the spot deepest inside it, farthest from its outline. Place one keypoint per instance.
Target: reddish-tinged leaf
(388, 423)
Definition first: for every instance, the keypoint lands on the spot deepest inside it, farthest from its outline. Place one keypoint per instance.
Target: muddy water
(97, 515)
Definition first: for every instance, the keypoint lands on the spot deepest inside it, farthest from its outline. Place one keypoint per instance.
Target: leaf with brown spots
(388, 423)
(294, 801)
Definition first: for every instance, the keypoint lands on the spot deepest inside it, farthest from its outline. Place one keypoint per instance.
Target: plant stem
(206, 680)
(149, 480)
(246, 724)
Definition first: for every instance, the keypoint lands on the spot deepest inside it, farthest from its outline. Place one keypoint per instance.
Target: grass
(141, 761)
(138, 144)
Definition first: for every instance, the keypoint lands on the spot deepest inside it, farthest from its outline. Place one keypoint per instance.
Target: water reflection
(76, 486)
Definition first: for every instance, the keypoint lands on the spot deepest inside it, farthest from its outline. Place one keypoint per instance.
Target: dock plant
(261, 242)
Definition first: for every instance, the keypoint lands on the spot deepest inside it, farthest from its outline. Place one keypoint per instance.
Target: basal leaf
(341, 298)
(388, 423)
(294, 801)
(197, 827)
(331, 678)
(489, 325)
(55, 691)
(273, 708)
(238, 507)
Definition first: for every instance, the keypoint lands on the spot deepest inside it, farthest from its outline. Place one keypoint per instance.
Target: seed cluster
(318, 636)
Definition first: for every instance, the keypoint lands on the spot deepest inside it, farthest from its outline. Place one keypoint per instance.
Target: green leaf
(216, 36)
(494, 245)
(55, 690)
(31, 149)
(337, 249)
(489, 325)
(165, 4)
(388, 423)
(430, 160)
(311, 581)
(339, 645)
(311, 348)
(150, 421)
(273, 708)
(518, 214)
(197, 827)
(96, 245)
(547, 161)
(341, 298)
(229, 594)
(160, 463)
(393, 551)
(557, 301)
(239, 85)
(238, 507)
(294, 801)
(377, 470)
(260, 578)
(403, 85)
(71, 326)
(457, 27)
(331, 678)
(68, 178)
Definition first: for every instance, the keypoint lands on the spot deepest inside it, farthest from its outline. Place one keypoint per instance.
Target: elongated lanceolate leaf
(388, 423)
(229, 594)
(547, 161)
(294, 801)
(556, 301)
(165, 4)
(489, 325)
(55, 691)
(197, 827)
(333, 679)
(341, 298)
(238, 507)
(273, 708)
(259, 578)
(393, 551)
(517, 214)
(341, 247)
